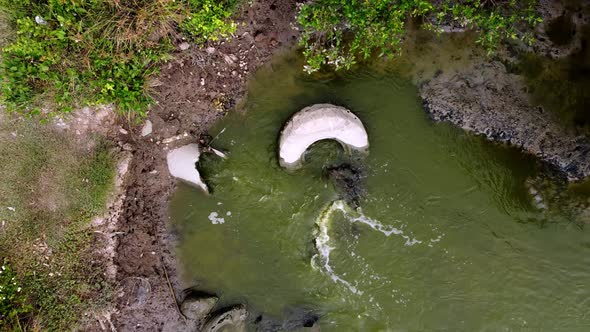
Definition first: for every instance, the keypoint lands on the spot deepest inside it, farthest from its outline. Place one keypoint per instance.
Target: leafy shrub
(97, 51)
(339, 32)
(209, 20)
(13, 302)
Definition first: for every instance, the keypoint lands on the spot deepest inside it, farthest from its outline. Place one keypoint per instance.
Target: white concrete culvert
(320, 122)
(182, 165)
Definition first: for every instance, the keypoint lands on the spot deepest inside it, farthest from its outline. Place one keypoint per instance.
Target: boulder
(197, 308)
(232, 319)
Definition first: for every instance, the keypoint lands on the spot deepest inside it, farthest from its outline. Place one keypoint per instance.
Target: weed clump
(98, 51)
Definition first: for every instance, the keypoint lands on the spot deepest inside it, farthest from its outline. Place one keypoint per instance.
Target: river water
(447, 237)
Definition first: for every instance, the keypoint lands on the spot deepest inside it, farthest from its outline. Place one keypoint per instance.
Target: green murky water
(456, 244)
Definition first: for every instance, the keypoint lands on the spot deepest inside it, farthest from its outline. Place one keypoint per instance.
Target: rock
(147, 128)
(295, 319)
(182, 164)
(123, 131)
(184, 46)
(550, 191)
(169, 140)
(232, 319)
(298, 318)
(229, 60)
(210, 50)
(485, 99)
(197, 308)
(316, 123)
(40, 20)
(349, 182)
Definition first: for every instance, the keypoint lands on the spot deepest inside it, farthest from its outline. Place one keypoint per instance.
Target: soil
(193, 91)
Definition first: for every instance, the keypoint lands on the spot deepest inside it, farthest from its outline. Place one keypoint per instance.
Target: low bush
(340, 32)
(76, 52)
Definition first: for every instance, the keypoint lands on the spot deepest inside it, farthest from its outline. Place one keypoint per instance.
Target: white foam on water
(322, 258)
(215, 219)
(376, 225)
(324, 249)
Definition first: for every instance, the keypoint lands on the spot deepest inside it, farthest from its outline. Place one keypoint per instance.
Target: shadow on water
(562, 86)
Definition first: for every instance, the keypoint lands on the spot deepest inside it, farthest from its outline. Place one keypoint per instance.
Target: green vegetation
(340, 32)
(47, 200)
(13, 302)
(97, 51)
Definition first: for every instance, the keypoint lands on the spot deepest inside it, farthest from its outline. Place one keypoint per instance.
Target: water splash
(322, 259)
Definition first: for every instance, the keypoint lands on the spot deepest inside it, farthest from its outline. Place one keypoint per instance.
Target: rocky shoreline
(487, 100)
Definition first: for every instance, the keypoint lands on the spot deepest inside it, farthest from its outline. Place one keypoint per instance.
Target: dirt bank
(192, 92)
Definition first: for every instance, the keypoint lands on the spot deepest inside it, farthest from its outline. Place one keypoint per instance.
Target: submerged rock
(232, 319)
(295, 319)
(196, 307)
(316, 123)
(485, 99)
(556, 198)
(182, 164)
(349, 182)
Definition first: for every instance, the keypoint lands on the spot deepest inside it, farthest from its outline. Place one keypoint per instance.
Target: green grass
(53, 188)
(75, 53)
